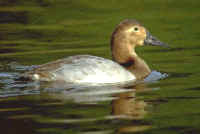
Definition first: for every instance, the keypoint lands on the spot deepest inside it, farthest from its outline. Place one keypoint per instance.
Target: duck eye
(136, 29)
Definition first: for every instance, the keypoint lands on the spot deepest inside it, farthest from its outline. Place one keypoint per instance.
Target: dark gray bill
(150, 40)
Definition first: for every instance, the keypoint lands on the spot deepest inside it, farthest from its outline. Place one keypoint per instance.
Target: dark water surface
(35, 32)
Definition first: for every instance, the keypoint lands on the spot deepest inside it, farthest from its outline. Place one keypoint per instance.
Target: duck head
(128, 35)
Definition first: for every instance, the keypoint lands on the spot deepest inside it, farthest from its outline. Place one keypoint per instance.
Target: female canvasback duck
(125, 66)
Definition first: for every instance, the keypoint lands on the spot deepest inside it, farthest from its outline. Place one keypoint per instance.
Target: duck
(125, 65)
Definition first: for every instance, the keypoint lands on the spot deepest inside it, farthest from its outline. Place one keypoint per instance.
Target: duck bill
(151, 40)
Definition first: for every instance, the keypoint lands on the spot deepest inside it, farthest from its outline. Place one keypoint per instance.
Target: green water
(35, 32)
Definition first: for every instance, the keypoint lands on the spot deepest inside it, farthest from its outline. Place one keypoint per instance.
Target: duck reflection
(120, 107)
(129, 107)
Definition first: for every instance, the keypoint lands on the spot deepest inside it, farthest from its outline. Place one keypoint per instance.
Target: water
(35, 32)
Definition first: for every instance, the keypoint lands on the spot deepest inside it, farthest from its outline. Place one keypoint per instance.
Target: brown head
(128, 35)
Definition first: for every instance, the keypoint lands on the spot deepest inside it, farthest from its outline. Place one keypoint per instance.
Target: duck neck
(139, 68)
(126, 56)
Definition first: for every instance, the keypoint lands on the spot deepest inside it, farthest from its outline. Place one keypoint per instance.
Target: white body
(89, 69)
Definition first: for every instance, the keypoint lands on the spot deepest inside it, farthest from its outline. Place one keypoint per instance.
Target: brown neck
(139, 68)
(125, 55)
